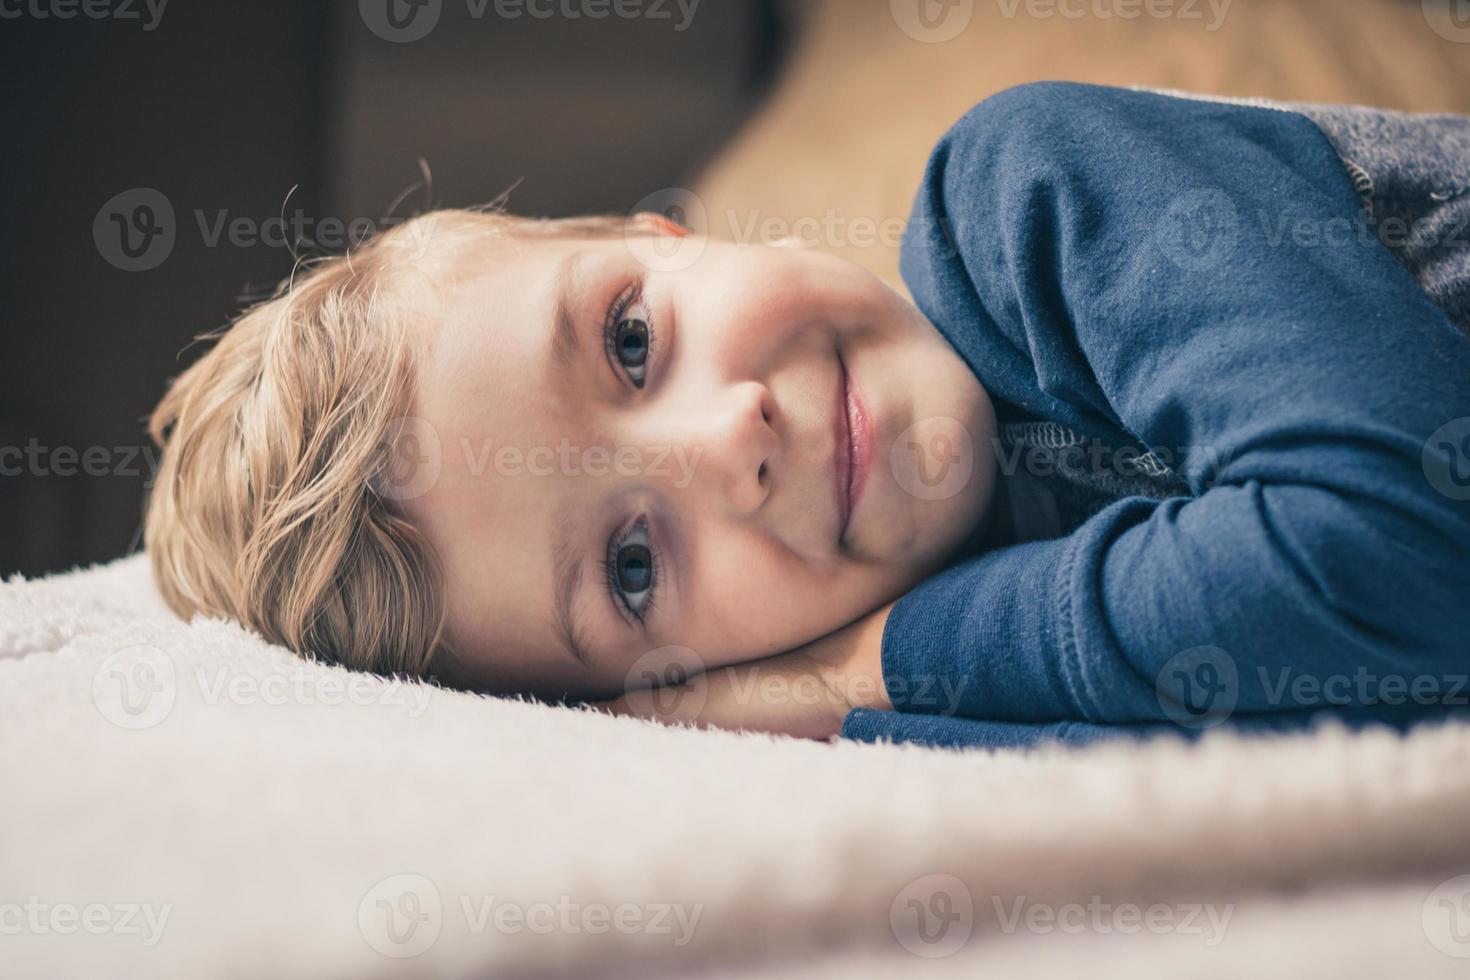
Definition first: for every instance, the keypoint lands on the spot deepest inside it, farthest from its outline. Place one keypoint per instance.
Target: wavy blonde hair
(267, 507)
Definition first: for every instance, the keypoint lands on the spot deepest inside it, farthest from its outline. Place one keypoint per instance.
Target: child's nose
(733, 451)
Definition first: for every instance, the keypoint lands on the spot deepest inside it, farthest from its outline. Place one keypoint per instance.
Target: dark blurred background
(223, 109)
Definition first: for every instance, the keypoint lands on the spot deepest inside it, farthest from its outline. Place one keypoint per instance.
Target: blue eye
(628, 335)
(631, 569)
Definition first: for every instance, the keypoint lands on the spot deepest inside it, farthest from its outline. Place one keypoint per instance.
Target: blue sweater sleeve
(1163, 270)
(941, 731)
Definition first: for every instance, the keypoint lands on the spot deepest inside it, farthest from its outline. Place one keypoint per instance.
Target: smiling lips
(853, 450)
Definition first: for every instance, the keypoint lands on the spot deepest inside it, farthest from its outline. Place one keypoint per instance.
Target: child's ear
(651, 222)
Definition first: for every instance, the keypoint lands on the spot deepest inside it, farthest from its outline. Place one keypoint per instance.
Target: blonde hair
(266, 508)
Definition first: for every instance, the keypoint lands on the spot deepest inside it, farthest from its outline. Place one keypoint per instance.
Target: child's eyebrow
(564, 335)
(566, 577)
(567, 573)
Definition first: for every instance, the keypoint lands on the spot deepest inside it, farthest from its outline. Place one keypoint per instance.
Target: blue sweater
(1302, 388)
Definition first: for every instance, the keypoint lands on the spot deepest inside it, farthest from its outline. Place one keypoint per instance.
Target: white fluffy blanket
(188, 801)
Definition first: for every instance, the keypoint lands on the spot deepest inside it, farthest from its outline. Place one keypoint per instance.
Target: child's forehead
(491, 335)
(504, 257)
(488, 281)
(512, 252)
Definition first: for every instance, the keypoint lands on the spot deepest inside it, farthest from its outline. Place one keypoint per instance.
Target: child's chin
(918, 537)
(930, 494)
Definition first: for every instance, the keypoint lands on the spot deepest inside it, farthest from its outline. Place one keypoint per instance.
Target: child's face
(683, 484)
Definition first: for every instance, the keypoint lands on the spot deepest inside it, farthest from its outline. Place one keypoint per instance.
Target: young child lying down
(1178, 433)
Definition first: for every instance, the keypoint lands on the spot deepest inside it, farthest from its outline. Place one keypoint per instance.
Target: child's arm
(1297, 375)
(806, 693)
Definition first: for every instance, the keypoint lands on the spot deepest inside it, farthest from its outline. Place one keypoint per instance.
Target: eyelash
(610, 568)
(625, 300)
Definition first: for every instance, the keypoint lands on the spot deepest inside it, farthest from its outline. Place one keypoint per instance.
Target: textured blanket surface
(185, 800)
